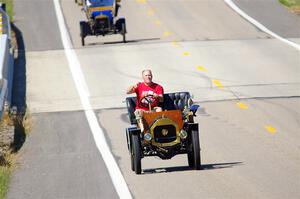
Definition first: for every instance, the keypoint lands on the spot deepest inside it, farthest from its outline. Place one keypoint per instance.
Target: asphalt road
(249, 150)
(284, 23)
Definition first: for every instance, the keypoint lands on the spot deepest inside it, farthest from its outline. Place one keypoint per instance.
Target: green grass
(9, 8)
(5, 170)
(293, 5)
(4, 180)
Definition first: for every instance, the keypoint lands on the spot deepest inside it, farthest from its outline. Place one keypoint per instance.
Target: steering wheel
(149, 100)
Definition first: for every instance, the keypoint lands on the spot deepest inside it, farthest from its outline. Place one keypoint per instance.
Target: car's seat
(131, 104)
(172, 101)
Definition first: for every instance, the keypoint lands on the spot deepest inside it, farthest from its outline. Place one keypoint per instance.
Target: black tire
(136, 153)
(132, 161)
(124, 32)
(131, 154)
(190, 159)
(194, 158)
(83, 31)
(121, 28)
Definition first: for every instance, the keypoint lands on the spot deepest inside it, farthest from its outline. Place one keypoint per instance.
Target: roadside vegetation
(293, 5)
(9, 7)
(6, 129)
(5, 171)
(6, 161)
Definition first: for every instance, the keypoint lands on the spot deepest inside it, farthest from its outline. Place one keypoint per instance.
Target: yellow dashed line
(201, 68)
(242, 105)
(175, 43)
(167, 34)
(218, 84)
(158, 23)
(150, 12)
(186, 53)
(270, 129)
(1, 30)
(141, 1)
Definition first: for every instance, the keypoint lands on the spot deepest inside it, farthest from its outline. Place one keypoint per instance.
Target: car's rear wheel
(194, 158)
(131, 155)
(84, 31)
(132, 161)
(124, 32)
(121, 28)
(190, 159)
(136, 153)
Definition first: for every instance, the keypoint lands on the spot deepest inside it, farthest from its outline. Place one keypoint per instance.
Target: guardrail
(6, 62)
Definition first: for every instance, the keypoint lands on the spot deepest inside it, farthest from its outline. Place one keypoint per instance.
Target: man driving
(149, 95)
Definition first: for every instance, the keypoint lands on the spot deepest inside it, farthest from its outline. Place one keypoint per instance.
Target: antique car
(79, 2)
(101, 19)
(167, 133)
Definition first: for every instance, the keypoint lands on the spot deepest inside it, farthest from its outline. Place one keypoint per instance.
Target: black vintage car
(101, 19)
(167, 133)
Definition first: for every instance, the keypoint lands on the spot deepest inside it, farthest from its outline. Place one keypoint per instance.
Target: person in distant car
(146, 92)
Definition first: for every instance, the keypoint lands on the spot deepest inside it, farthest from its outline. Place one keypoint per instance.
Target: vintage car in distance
(79, 2)
(101, 19)
(167, 133)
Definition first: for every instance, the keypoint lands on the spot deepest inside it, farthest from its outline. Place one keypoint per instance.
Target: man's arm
(159, 97)
(131, 89)
(160, 94)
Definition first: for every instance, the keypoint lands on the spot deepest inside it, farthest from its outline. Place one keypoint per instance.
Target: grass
(6, 165)
(293, 5)
(5, 172)
(9, 8)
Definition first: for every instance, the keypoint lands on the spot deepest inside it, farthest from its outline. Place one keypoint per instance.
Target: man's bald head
(147, 76)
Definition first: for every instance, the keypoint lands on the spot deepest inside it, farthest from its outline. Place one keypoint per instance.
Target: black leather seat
(175, 101)
(172, 101)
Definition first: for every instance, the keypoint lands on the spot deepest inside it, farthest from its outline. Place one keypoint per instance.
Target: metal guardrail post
(3, 6)
(1, 24)
(6, 62)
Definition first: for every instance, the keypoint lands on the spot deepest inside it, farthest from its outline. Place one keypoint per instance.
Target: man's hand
(159, 97)
(132, 89)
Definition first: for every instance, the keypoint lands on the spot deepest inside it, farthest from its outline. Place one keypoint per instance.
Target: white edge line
(74, 64)
(260, 26)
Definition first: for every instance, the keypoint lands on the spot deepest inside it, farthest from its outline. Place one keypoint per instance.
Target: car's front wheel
(136, 154)
(194, 158)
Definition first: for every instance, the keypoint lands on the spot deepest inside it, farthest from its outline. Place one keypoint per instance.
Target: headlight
(147, 137)
(183, 134)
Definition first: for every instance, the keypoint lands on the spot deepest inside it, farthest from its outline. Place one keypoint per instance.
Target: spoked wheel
(136, 154)
(194, 158)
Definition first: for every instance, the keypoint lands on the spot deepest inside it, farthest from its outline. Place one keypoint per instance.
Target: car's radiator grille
(102, 23)
(165, 134)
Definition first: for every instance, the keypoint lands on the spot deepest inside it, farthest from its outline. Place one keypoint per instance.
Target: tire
(121, 28)
(190, 159)
(83, 31)
(131, 155)
(194, 158)
(132, 161)
(136, 153)
(124, 32)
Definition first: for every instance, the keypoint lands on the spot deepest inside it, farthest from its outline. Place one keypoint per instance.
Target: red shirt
(143, 90)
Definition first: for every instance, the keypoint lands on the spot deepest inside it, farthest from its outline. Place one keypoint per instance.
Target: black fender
(134, 130)
(192, 127)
